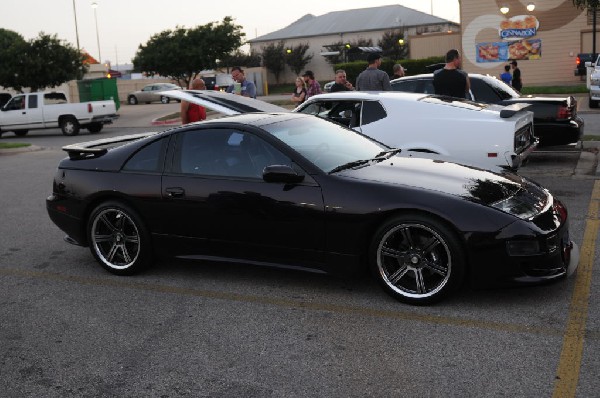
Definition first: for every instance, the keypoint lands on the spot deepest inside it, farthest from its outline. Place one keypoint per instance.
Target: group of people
(371, 79)
(513, 79)
(241, 86)
(450, 80)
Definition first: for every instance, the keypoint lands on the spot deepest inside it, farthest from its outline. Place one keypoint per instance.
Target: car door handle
(175, 192)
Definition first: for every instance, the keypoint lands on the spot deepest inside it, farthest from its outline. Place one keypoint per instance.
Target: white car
(595, 84)
(482, 135)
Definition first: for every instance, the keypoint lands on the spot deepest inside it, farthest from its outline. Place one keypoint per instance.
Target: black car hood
(467, 182)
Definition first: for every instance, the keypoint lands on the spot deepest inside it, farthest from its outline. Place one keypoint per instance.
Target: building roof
(358, 20)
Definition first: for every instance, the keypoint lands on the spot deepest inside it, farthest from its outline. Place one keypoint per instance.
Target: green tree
(12, 46)
(296, 57)
(347, 51)
(273, 56)
(42, 62)
(239, 58)
(181, 53)
(393, 45)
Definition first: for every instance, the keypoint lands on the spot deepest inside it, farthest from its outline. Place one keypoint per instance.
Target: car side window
(148, 159)
(15, 103)
(32, 101)
(407, 86)
(426, 86)
(225, 153)
(372, 111)
(483, 92)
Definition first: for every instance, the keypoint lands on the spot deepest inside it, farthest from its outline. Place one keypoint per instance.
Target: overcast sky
(125, 24)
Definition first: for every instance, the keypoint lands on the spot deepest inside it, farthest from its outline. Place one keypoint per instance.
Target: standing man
(516, 77)
(191, 112)
(312, 86)
(341, 84)
(241, 86)
(398, 72)
(451, 80)
(373, 79)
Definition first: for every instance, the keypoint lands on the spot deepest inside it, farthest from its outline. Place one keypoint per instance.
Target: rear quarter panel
(463, 134)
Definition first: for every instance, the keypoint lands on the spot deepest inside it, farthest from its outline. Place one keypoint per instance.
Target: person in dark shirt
(451, 80)
(516, 78)
(341, 84)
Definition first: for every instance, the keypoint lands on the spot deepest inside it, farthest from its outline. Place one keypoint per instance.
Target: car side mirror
(588, 64)
(281, 173)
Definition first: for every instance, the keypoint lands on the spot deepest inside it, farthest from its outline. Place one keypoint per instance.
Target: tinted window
(225, 153)
(32, 101)
(149, 159)
(324, 144)
(483, 92)
(408, 86)
(372, 112)
(347, 113)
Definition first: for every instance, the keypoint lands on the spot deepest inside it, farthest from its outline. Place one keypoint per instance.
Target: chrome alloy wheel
(115, 238)
(414, 261)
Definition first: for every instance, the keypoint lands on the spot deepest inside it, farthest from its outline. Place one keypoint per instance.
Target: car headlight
(517, 208)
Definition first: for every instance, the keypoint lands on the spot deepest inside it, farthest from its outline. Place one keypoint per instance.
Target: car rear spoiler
(511, 110)
(93, 149)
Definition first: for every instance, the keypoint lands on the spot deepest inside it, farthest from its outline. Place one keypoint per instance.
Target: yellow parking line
(567, 374)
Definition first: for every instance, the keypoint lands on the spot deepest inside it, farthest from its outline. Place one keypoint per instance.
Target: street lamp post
(94, 6)
(76, 30)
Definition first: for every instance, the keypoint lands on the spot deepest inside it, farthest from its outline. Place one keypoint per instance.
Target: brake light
(217, 88)
(578, 61)
(89, 108)
(563, 112)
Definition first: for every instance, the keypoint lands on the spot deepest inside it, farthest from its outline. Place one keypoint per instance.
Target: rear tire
(95, 127)
(131, 100)
(417, 259)
(165, 100)
(118, 239)
(69, 126)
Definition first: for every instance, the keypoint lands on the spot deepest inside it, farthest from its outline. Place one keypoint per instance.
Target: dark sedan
(555, 120)
(294, 190)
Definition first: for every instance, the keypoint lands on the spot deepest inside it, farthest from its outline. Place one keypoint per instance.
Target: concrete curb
(12, 151)
(157, 122)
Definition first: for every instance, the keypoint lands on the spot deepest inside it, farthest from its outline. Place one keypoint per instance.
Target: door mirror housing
(281, 173)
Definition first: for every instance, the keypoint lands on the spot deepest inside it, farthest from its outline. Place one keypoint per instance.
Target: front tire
(69, 126)
(417, 259)
(118, 239)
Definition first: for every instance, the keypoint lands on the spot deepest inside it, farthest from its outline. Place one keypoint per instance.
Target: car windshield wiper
(350, 165)
(356, 163)
(387, 154)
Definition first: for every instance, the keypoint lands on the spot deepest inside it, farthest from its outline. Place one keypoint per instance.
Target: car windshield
(325, 144)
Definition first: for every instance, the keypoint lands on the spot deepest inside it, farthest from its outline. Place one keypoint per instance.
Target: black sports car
(294, 190)
(555, 119)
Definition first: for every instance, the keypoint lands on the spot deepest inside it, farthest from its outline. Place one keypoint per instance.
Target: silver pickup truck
(44, 110)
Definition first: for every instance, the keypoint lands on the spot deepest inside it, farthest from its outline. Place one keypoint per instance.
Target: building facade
(544, 37)
(350, 26)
